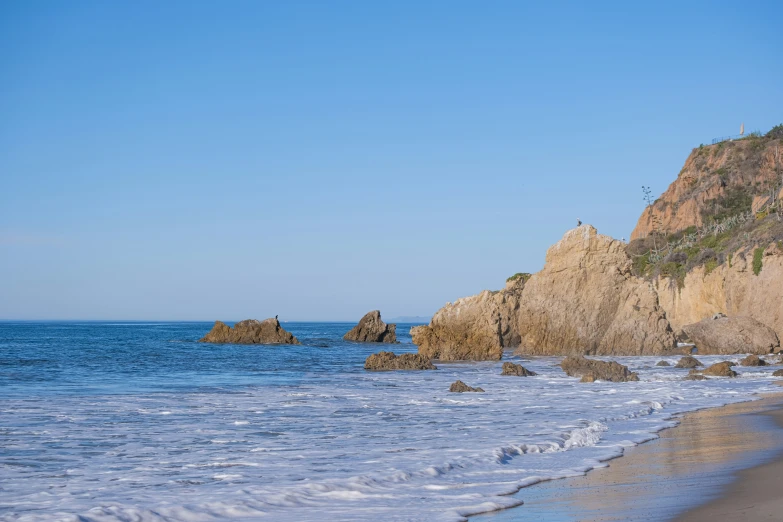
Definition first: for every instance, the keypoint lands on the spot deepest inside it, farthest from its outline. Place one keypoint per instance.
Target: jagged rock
(721, 369)
(663, 363)
(688, 362)
(753, 360)
(732, 335)
(460, 387)
(587, 301)
(475, 328)
(371, 329)
(777, 373)
(695, 377)
(591, 370)
(250, 331)
(391, 361)
(510, 368)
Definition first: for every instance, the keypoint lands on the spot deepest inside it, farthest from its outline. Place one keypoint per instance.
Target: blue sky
(316, 160)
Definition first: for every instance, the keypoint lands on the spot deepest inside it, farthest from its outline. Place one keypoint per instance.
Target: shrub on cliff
(758, 254)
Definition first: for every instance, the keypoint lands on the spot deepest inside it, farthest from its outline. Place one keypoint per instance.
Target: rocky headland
(249, 331)
(371, 329)
(712, 244)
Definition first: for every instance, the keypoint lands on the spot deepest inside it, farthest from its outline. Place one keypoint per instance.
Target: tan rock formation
(250, 331)
(591, 370)
(472, 328)
(709, 173)
(586, 301)
(517, 370)
(732, 289)
(721, 369)
(461, 387)
(732, 335)
(371, 329)
(390, 361)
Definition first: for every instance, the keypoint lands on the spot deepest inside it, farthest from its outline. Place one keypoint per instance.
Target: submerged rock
(250, 331)
(518, 370)
(475, 328)
(688, 362)
(371, 329)
(777, 373)
(721, 369)
(390, 361)
(753, 360)
(695, 377)
(663, 363)
(592, 370)
(460, 387)
(732, 335)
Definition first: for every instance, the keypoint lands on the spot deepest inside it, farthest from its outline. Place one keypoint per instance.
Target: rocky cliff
(715, 182)
(587, 301)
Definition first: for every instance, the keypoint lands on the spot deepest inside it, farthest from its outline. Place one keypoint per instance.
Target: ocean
(130, 421)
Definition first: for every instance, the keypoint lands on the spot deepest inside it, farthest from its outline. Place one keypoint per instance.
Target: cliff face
(716, 180)
(586, 301)
(731, 288)
(472, 328)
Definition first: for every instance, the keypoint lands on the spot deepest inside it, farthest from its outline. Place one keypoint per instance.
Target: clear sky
(316, 160)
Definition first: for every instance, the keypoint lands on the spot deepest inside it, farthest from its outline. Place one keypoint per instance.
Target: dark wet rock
(732, 335)
(518, 370)
(663, 363)
(593, 370)
(695, 377)
(250, 331)
(721, 369)
(777, 373)
(753, 360)
(371, 329)
(688, 362)
(460, 387)
(390, 361)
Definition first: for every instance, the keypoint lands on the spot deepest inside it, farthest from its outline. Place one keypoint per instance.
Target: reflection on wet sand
(687, 466)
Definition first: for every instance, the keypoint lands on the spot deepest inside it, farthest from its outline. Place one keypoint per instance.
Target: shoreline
(721, 463)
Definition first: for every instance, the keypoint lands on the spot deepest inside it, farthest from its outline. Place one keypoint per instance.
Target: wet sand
(718, 464)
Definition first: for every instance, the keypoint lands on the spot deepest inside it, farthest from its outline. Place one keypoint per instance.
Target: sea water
(139, 422)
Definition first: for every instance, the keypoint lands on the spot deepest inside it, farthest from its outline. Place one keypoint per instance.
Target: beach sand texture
(718, 464)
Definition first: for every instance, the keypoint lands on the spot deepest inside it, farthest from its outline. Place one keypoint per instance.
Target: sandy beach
(717, 464)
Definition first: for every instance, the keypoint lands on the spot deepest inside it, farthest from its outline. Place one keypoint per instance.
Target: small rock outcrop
(475, 328)
(250, 331)
(688, 362)
(371, 329)
(663, 363)
(461, 387)
(721, 369)
(592, 370)
(518, 370)
(753, 360)
(586, 301)
(382, 361)
(695, 377)
(732, 335)
(777, 373)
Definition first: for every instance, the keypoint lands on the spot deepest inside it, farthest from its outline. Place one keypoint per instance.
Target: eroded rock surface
(663, 363)
(518, 370)
(593, 370)
(461, 387)
(688, 362)
(586, 301)
(732, 335)
(475, 328)
(371, 329)
(390, 361)
(250, 331)
(753, 360)
(721, 369)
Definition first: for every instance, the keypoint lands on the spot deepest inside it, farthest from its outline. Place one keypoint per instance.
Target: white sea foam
(391, 446)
